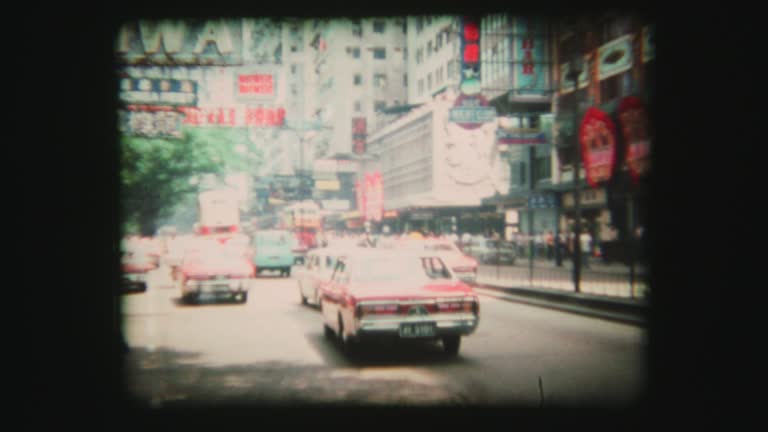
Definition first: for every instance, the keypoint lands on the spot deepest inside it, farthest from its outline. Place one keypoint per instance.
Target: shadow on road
(377, 354)
(223, 301)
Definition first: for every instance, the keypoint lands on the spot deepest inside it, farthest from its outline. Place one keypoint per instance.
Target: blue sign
(478, 114)
(542, 201)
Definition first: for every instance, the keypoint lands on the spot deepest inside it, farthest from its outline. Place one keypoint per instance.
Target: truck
(219, 212)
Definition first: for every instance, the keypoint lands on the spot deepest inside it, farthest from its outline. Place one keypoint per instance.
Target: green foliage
(156, 173)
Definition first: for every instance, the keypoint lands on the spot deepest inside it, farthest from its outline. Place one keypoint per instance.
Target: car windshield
(400, 268)
(273, 238)
(440, 247)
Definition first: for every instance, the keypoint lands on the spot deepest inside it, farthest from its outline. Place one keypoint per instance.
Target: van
(272, 250)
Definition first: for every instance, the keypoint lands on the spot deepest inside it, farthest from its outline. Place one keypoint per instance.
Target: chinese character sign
(530, 71)
(470, 56)
(374, 196)
(359, 135)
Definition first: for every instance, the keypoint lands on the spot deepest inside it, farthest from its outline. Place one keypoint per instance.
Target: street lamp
(575, 69)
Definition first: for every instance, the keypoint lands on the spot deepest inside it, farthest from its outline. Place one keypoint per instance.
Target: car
(377, 294)
(488, 251)
(272, 250)
(215, 270)
(136, 266)
(317, 270)
(299, 250)
(462, 265)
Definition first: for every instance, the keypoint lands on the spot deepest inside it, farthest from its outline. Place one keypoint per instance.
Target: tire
(191, 299)
(451, 345)
(287, 272)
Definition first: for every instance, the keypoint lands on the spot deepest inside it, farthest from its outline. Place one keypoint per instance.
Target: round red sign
(597, 136)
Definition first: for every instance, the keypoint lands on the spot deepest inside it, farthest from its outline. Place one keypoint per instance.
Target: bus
(219, 212)
(303, 218)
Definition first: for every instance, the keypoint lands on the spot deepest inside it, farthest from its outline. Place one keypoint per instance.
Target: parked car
(216, 271)
(397, 294)
(317, 270)
(272, 250)
(136, 265)
(491, 251)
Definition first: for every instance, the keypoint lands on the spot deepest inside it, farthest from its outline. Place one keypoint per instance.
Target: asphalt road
(271, 350)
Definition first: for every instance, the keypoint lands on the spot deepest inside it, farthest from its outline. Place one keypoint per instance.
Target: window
(419, 55)
(429, 49)
(379, 80)
(358, 106)
(439, 41)
(354, 52)
(358, 79)
(421, 87)
(449, 67)
(379, 105)
(543, 168)
(405, 80)
(378, 26)
(429, 82)
(357, 28)
(293, 48)
(419, 24)
(293, 69)
(379, 53)
(405, 54)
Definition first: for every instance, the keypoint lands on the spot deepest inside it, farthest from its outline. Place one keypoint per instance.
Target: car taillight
(380, 309)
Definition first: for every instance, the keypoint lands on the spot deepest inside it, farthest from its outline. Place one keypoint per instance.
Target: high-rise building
(359, 69)
(433, 56)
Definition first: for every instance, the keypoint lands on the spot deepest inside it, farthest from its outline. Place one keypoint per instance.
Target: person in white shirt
(585, 239)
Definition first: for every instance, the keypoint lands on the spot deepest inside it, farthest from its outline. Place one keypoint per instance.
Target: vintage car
(317, 270)
(215, 271)
(136, 265)
(273, 251)
(462, 265)
(397, 294)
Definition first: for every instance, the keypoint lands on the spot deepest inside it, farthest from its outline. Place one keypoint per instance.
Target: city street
(272, 350)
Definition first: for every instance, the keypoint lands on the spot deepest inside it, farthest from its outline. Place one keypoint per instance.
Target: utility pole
(576, 67)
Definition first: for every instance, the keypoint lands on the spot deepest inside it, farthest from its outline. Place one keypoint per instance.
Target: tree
(156, 173)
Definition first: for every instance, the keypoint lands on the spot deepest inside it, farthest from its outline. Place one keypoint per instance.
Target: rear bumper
(216, 287)
(445, 325)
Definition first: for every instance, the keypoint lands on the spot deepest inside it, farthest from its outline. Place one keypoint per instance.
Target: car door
(331, 295)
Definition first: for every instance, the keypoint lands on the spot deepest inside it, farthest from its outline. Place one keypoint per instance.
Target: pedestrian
(585, 240)
(550, 239)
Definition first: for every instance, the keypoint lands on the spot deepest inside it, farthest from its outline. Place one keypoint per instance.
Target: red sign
(634, 126)
(259, 84)
(359, 134)
(374, 196)
(597, 136)
(233, 116)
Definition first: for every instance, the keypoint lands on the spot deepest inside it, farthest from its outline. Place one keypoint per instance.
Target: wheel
(303, 299)
(451, 345)
(349, 346)
(287, 272)
(191, 298)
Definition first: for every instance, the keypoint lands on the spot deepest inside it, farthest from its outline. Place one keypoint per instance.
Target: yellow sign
(330, 185)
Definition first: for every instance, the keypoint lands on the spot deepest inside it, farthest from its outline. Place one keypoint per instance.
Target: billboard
(530, 57)
(150, 122)
(614, 57)
(234, 116)
(181, 42)
(471, 109)
(255, 84)
(634, 125)
(158, 91)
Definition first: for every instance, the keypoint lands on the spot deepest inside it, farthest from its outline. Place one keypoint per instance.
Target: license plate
(417, 330)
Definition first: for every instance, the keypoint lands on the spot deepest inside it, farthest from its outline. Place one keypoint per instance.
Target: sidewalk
(604, 294)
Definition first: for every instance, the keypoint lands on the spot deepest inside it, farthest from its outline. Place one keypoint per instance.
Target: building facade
(359, 69)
